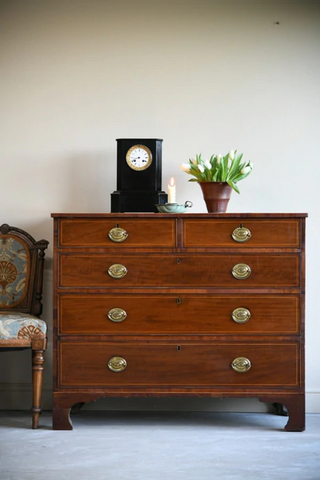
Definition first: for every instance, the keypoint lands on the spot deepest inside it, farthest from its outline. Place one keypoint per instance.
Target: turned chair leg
(37, 379)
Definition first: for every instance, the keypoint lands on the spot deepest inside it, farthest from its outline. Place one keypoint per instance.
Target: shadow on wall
(90, 179)
(78, 183)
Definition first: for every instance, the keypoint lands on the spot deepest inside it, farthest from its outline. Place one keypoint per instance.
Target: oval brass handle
(241, 234)
(117, 315)
(241, 364)
(241, 315)
(241, 271)
(117, 270)
(118, 235)
(117, 364)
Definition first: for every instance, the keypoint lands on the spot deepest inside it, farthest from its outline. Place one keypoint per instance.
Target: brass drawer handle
(241, 364)
(241, 234)
(117, 364)
(117, 315)
(118, 235)
(241, 315)
(241, 271)
(117, 270)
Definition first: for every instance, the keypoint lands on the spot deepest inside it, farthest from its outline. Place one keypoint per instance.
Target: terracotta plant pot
(216, 196)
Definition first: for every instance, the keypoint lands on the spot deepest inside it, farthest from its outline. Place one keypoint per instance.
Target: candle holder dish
(174, 207)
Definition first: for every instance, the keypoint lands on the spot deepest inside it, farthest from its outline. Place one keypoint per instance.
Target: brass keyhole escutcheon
(117, 234)
(117, 315)
(241, 271)
(241, 315)
(241, 364)
(117, 364)
(117, 271)
(241, 234)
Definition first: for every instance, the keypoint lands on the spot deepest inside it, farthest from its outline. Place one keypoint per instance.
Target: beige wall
(206, 76)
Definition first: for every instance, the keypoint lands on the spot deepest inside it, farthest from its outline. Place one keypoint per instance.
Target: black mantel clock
(139, 172)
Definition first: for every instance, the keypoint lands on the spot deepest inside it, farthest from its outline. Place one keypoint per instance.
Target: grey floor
(164, 445)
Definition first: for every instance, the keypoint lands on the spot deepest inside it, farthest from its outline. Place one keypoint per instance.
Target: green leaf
(234, 186)
(234, 169)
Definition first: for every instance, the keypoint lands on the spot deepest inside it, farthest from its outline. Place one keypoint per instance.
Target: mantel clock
(139, 171)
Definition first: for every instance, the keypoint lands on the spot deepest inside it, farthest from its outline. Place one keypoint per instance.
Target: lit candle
(171, 191)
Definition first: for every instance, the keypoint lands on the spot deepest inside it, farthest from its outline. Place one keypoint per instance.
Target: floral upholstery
(15, 325)
(14, 261)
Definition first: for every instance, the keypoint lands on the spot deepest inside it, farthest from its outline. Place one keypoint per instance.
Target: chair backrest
(21, 271)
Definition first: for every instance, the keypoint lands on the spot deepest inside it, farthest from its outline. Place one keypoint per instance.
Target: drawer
(178, 364)
(154, 270)
(100, 232)
(125, 314)
(273, 233)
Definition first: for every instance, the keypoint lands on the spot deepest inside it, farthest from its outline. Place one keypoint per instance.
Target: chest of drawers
(179, 305)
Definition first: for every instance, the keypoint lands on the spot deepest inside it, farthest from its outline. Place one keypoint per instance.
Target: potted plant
(217, 177)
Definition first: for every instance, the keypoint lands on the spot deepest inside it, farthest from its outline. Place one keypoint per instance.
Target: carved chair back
(21, 271)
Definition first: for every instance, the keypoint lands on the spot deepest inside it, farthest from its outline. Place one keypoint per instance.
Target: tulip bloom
(185, 167)
(245, 170)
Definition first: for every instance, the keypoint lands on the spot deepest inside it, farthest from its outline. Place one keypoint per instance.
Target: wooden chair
(21, 278)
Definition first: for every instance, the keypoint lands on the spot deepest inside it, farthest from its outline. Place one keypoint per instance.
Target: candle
(171, 191)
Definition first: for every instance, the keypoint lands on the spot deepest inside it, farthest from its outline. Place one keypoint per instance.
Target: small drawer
(117, 233)
(117, 271)
(102, 364)
(125, 314)
(275, 233)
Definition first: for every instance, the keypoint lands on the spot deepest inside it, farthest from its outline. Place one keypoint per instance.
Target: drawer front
(94, 314)
(102, 233)
(91, 270)
(86, 364)
(256, 233)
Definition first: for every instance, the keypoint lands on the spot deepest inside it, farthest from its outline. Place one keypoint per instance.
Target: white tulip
(245, 170)
(218, 157)
(194, 161)
(207, 164)
(185, 167)
(231, 154)
(201, 168)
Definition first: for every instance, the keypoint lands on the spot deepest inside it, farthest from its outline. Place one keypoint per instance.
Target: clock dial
(139, 157)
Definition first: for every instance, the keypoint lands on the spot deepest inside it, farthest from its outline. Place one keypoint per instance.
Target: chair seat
(20, 326)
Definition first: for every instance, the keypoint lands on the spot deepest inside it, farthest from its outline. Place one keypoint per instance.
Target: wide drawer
(102, 233)
(246, 233)
(125, 314)
(178, 364)
(95, 270)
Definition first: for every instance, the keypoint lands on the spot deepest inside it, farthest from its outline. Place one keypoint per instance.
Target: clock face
(139, 157)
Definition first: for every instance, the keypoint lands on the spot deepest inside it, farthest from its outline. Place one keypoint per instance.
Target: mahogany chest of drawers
(179, 305)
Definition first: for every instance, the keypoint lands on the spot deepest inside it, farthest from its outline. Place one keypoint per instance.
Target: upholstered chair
(21, 278)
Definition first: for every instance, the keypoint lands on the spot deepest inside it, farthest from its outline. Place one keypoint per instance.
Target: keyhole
(178, 260)
(179, 301)
(178, 348)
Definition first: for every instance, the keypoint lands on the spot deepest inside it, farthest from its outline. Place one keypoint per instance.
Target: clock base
(137, 201)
